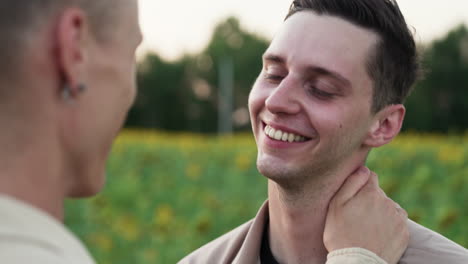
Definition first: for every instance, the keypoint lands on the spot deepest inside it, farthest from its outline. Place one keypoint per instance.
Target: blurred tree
(440, 100)
(183, 95)
(161, 93)
(229, 42)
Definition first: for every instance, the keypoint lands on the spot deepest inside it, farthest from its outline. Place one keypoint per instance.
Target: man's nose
(284, 98)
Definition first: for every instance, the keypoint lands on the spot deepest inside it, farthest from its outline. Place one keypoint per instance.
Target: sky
(172, 28)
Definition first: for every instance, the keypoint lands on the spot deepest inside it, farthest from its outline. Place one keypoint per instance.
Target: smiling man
(332, 87)
(67, 80)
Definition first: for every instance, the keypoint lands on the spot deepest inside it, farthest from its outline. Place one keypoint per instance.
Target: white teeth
(283, 136)
(278, 134)
(271, 133)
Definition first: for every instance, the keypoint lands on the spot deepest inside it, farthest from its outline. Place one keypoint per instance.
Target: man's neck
(32, 175)
(297, 218)
(46, 202)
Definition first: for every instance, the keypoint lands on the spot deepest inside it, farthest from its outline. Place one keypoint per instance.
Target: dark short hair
(394, 64)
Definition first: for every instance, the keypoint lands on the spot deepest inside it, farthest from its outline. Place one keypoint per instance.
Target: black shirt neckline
(266, 256)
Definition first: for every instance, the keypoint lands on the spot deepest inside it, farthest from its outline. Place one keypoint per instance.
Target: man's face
(315, 90)
(111, 90)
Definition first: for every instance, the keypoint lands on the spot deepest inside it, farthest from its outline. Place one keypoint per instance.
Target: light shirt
(29, 235)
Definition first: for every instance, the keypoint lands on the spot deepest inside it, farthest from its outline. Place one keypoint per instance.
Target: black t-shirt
(266, 256)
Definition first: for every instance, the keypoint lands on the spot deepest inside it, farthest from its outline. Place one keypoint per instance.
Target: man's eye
(320, 93)
(273, 77)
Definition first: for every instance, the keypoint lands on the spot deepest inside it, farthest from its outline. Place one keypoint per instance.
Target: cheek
(255, 100)
(354, 126)
(326, 117)
(125, 81)
(331, 119)
(133, 82)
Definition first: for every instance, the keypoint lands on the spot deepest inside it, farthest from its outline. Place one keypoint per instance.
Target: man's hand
(361, 215)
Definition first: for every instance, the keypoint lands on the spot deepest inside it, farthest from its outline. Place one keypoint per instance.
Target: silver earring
(66, 92)
(81, 88)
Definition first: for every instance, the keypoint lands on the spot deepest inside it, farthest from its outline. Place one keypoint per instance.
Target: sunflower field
(167, 194)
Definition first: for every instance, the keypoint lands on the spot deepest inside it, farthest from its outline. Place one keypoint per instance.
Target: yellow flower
(101, 241)
(193, 171)
(451, 154)
(243, 161)
(127, 227)
(150, 255)
(163, 216)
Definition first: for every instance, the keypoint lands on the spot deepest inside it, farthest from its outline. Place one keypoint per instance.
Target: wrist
(361, 253)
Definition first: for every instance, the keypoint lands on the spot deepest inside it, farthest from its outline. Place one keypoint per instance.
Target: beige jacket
(30, 236)
(242, 246)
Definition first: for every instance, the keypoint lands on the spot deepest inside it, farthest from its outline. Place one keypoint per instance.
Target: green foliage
(169, 194)
(439, 102)
(229, 42)
(162, 90)
(183, 95)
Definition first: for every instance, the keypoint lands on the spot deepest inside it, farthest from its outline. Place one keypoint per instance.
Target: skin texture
(314, 83)
(57, 147)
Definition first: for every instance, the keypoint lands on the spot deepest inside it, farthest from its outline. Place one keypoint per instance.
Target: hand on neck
(297, 216)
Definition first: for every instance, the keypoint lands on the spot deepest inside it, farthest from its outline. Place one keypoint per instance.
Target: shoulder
(221, 250)
(15, 241)
(24, 228)
(12, 251)
(426, 246)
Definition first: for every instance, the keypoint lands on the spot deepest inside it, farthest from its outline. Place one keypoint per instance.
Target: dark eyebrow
(328, 73)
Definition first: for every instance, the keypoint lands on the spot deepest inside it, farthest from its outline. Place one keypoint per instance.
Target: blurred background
(183, 171)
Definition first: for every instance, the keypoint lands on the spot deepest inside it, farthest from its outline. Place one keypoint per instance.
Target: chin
(292, 176)
(284, 175)
(89, 187)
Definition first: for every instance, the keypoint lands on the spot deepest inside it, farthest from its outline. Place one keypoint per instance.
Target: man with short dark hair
(332, 87)
(67, 80)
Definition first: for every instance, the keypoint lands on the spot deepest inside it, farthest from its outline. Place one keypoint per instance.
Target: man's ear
(386, 126)
(71, 34)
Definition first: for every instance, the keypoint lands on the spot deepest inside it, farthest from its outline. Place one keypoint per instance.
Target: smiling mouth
(279, 135)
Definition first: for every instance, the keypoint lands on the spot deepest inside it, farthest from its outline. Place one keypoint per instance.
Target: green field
(167, 194)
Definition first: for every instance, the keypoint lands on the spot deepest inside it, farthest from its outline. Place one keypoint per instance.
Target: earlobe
(387, 125)
(70, 44)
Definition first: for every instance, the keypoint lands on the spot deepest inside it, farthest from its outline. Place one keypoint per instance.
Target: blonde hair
(18, 18)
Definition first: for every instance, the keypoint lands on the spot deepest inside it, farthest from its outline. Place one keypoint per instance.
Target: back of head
(394, 64)
(20, 19)
(66, 84)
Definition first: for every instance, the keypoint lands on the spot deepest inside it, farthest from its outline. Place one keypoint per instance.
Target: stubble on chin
(296, 188)
(292, 179)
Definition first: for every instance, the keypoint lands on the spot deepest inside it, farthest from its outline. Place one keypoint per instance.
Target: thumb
(373, 180)
(373, 183)
(352, 185)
